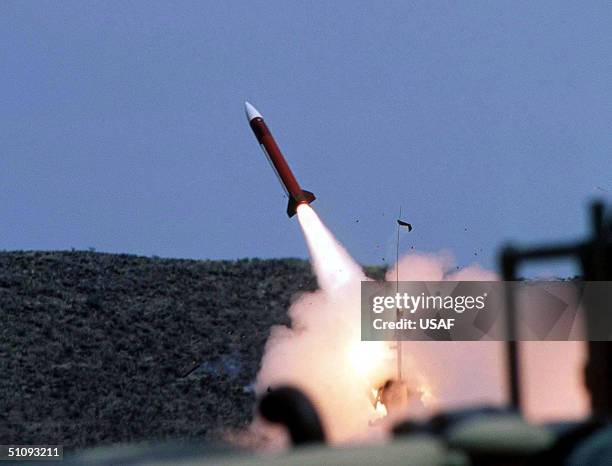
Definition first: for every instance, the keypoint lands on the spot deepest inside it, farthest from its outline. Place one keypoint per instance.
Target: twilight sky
(122, 125)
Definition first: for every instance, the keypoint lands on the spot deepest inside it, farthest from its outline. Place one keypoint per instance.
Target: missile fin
(306, 197)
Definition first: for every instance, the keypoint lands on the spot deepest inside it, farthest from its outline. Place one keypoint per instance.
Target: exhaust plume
(322, 353)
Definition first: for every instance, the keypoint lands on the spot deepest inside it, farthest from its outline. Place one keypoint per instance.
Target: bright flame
(333, 265)
(365, 357)
(381, 409)
(426, 395)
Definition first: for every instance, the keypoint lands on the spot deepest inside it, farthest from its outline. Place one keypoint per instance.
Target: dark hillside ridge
(101, 348)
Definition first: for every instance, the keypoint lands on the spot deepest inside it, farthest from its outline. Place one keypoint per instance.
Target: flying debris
(404, 224)
(292, 188)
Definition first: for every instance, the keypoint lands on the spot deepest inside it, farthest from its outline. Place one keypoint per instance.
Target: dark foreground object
(481, 436)
(293, 410)
(102, 348)
(594, 256)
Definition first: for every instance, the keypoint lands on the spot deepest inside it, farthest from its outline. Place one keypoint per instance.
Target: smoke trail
(332, 264)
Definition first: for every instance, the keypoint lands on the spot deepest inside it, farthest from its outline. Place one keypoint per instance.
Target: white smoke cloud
(322, 354)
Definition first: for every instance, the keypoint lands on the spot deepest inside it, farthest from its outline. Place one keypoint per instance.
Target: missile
(265, 139)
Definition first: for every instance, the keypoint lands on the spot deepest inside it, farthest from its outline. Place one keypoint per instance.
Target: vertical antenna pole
(398, 344)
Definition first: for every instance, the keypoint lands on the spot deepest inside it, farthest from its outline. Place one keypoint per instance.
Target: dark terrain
(103, 348)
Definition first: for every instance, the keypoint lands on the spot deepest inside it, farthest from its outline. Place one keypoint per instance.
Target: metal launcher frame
(594, 256)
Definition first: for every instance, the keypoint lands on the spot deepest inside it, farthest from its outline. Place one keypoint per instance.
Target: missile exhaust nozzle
(306, 198)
